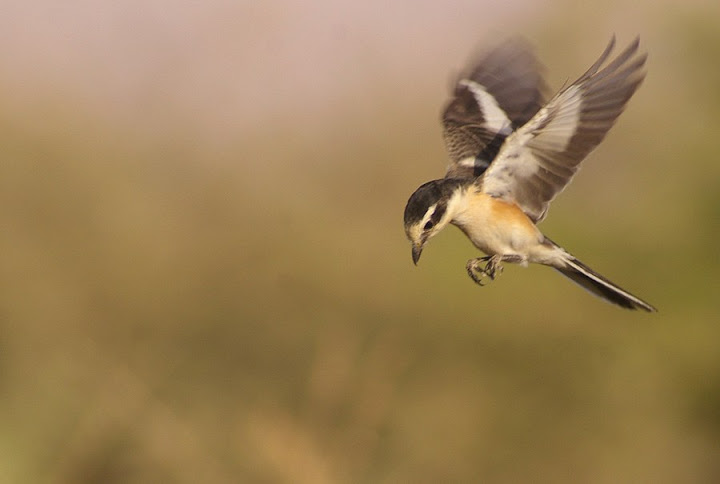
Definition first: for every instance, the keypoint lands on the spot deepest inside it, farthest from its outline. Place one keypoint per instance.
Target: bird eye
(428, 225)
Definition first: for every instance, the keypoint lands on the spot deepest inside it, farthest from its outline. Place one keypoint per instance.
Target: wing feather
(500, 92)
(539, 159)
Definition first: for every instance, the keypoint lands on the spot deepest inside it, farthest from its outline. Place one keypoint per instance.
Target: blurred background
(204, 275)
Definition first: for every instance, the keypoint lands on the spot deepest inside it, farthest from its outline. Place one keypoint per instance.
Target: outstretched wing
(540, 158)
(501, 91)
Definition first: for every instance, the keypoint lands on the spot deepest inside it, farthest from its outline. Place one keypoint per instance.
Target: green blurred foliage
(175, 309)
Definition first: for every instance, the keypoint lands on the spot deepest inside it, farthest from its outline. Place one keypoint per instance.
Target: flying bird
(511, 153)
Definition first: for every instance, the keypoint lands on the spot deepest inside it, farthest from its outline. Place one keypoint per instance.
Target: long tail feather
(600, 286)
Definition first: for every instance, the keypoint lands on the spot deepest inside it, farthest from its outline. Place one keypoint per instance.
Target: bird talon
(493, 268)
(477, 273)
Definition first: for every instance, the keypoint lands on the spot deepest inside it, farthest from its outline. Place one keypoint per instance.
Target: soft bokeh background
(204, 277)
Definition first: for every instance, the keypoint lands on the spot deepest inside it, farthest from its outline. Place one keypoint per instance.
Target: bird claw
(471, 268)
(492, 269)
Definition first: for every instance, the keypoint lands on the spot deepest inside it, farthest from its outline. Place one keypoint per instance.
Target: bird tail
(600, 286)
(588, 279)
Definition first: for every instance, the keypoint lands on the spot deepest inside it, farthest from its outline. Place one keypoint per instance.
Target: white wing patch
(514, 161)
(551, 130)
(563, 124)
(467, 162)
(494, 115)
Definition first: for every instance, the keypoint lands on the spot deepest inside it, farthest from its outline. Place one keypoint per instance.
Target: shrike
(511, 154)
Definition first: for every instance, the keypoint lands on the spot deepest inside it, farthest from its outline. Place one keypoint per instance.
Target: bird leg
(492, 269)
(477, 273)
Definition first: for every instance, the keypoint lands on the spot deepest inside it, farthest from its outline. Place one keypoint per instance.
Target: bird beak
(416, 251)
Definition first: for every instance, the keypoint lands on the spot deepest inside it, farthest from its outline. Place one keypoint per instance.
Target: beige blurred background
(204, 276)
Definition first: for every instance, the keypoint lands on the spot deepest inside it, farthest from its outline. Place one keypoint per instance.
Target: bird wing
(539, 159)
(500, 92)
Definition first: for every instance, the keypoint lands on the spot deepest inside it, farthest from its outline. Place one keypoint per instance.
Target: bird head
(429, 210)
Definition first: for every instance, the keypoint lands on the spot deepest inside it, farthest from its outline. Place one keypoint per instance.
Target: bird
(512, 152)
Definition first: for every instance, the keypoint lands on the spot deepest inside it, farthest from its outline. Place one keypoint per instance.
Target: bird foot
(492, 268)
